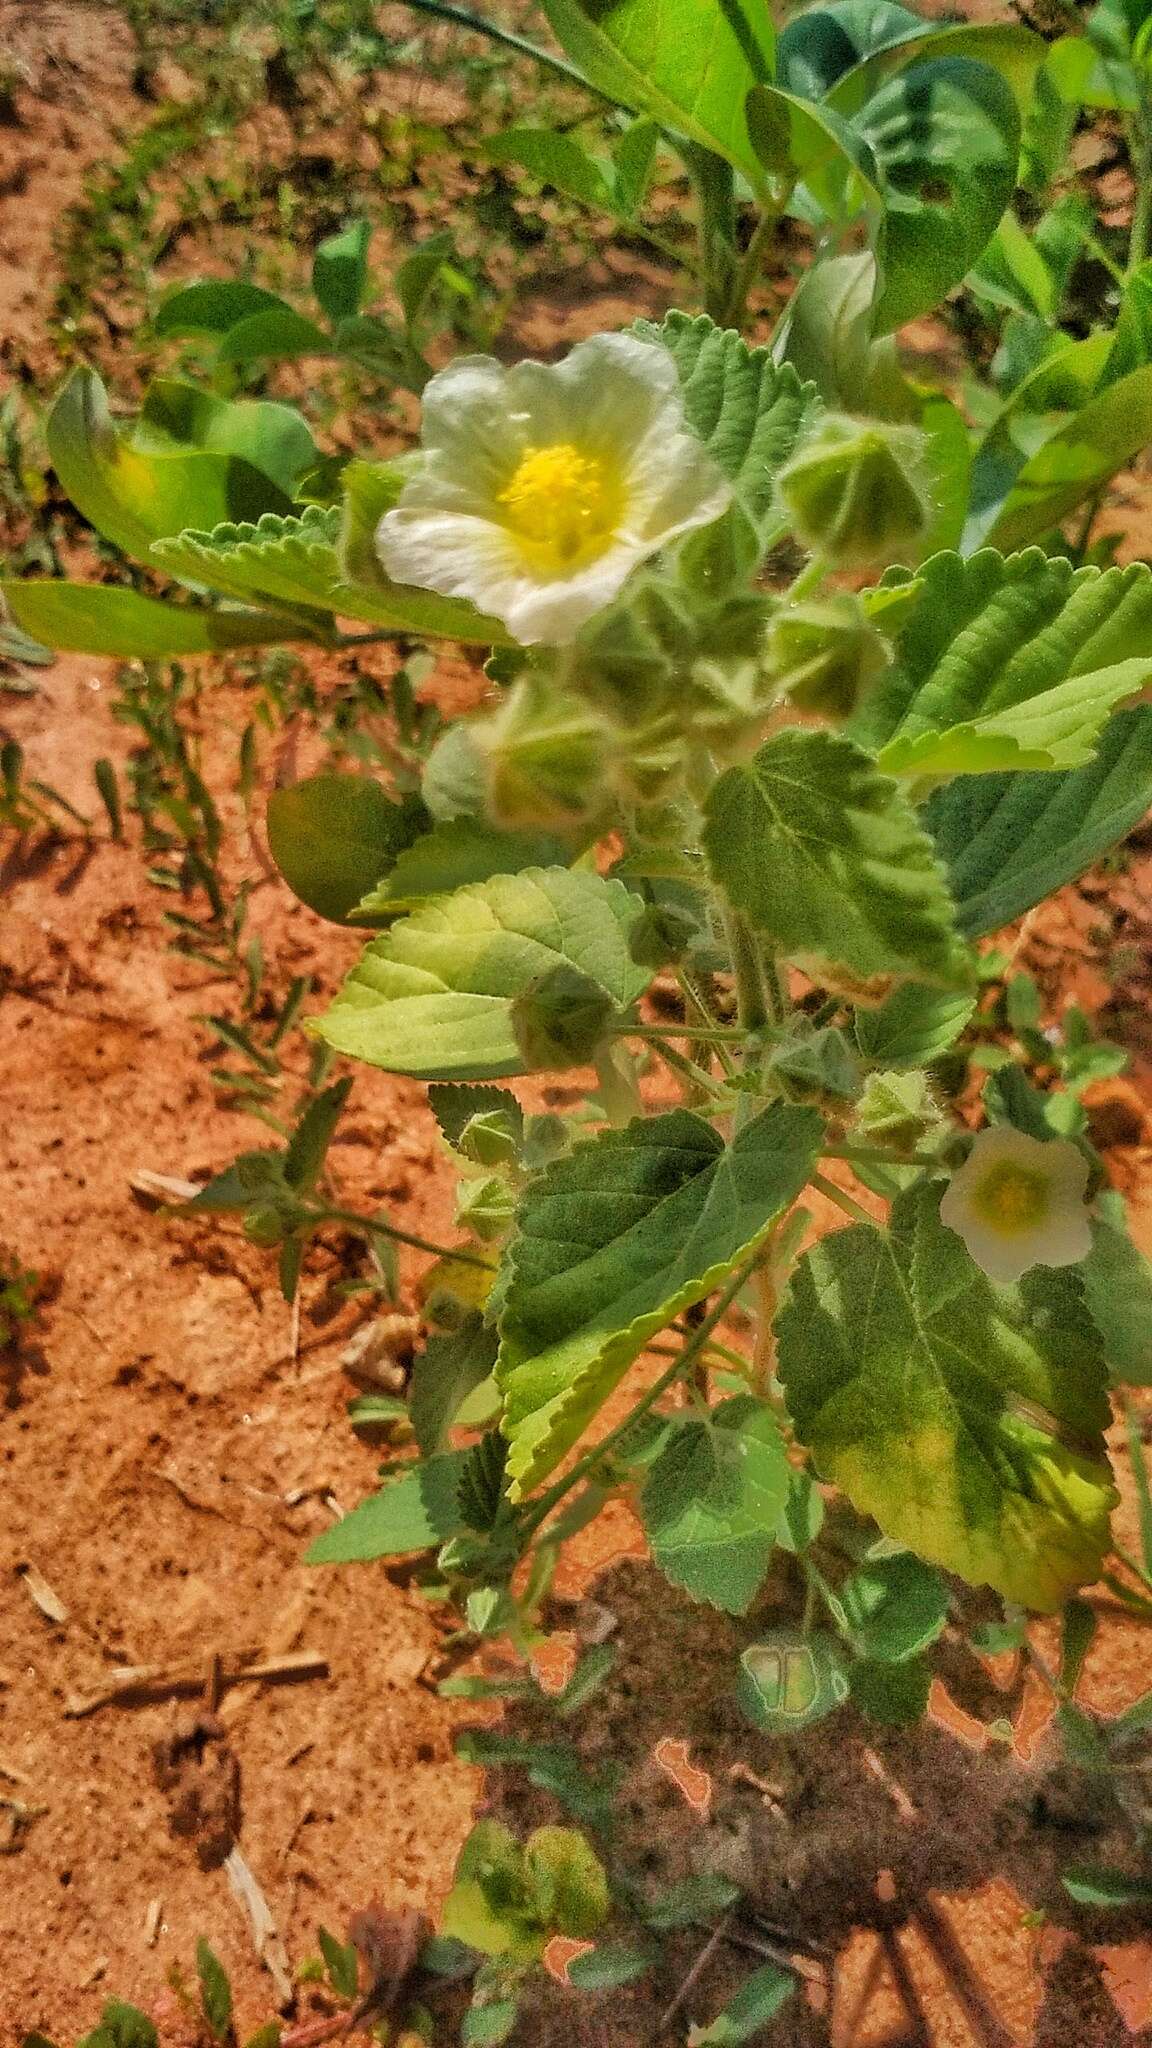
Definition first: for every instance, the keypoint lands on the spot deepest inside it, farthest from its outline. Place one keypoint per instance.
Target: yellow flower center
(1012, 1198)
(562, 506)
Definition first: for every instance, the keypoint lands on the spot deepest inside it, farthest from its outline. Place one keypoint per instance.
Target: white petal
(1003, 1259)
(1064, 1240)
(474, 558)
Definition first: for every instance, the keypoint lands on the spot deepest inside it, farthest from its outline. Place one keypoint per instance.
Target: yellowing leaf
(967, 1419)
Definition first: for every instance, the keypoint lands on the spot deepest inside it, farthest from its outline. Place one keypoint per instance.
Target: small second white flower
(1018, 1202)
(542, 487)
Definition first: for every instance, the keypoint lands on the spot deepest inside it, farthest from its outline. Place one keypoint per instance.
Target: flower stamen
(562, 505)
(1011, 1198)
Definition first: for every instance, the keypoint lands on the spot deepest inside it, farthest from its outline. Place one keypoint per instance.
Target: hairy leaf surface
(1008, 663)
(823, 854)
(967, 1419)
(1009, 840)
(711, 1501)
(434, 996)
(613, 1242)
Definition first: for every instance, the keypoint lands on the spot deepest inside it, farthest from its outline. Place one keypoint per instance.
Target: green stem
(875, 1155)
(687, 1070)
(710, 1034)
(1139, 136)
(1080, 544)
(461, 17)
(617, 1090)
(715, 187)
(748, 267)
(697, 1343)
(810, 578)
(372, 1228)
(751, 1006)
(845, 1202)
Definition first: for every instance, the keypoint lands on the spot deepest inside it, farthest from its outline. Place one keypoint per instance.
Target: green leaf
(104, 618)
(689, 63)
(749, 412)
(1008, 662)
(444, 1374)
(420, 271)
(1076, 461)
(895, 1607)
(748, 2011)
(308, 1145)
(342, 1963)
(333, 836)
(894, 1694)
(613, 1242)
(1008, 841)
(946, 136)
(481, 1491)
(125, 2026)
(489, 1906)
(494, 1113)
(340, 270)
(788, 1680)
(913, 1026)
(819, 46)
(434, 996)
(1096, 1885)
(277, 334)
(1009, 50)
(418, 1509)
(215, 1992)
(967, 1419)
(568, 1882)
(802, 1516)
(177, 417)
(633, 159)
(1118, 1289)
(835, 163)
(487, 2026)
(365, 592)
(134, 498)
(293, 558)
(453, 854)
(823, 854)
(693, 1902)
(711, 1500)
(608, 1967)
(213, 307)
(556, 158)
(552, 1767)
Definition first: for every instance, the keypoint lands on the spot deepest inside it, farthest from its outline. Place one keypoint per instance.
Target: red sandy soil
(168, 1450)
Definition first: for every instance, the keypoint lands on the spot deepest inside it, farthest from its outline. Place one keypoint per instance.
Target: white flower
(1019, 1202)
(542, 487)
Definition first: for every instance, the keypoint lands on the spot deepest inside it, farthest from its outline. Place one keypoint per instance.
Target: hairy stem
(372, 1227)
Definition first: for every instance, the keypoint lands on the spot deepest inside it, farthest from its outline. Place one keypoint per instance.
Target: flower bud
(826, 655)
(486, 1207)
(857, 492)
(560, 1021)
(546, 760)
(899, 1108)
